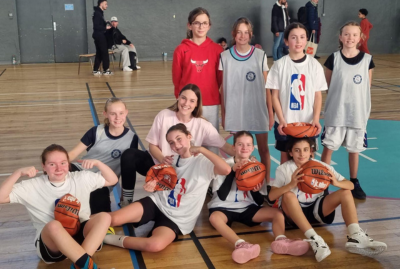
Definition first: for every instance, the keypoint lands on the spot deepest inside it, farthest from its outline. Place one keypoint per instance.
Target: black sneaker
(358, 192)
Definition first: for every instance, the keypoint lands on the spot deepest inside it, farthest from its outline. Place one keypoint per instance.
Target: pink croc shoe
(244, 252)
(284, 245)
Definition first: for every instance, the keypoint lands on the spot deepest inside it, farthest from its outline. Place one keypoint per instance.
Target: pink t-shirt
(203, 133)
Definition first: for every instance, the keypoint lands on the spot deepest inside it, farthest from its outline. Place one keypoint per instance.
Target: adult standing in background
(100, 40)
(366, 26)
(279, 21)
(312, 24)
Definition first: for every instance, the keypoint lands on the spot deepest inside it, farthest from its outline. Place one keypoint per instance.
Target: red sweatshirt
(365, 27)
(198, 64)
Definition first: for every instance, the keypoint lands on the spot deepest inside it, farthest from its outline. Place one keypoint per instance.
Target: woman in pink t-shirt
(186, 110)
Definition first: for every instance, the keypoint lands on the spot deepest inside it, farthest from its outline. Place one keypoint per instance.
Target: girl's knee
(216, 217)
(287, 196)
(103, 217)
(53, 227)
(156, 245)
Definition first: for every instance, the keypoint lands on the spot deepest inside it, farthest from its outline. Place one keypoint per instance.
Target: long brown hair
(349, 23)
(235, 27)
(192, 17)
(198, 111)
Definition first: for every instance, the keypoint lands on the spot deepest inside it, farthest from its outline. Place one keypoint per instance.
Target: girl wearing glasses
(196, 62)
(246, 104)
(105, 142)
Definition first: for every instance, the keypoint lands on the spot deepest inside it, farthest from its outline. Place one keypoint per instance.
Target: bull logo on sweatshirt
(199, 64)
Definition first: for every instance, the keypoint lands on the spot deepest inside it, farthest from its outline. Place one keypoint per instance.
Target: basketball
(164, 175)
(66, 211)
(316, 177)
(251, 174)
(300, 129)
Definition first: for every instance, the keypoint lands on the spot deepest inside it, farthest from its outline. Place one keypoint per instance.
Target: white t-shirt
(183, 204)
(297, 84)
(203, 132)
(283, 176)
(236, 201)
(39, 196)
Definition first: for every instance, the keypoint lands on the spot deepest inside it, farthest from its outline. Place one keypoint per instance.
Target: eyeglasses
(198, 24)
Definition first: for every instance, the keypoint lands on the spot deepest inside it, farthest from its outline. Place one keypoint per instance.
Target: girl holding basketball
(303, 209)
(246, 104)
(348, 104)
(175, 211)
(230, 204)
(196, 62)
(296, 81)
(187, 110)
(39, 194)
(105, 142)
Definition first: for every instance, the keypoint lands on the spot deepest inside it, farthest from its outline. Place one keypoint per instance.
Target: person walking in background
(279, 21)
(366, 26)
(312, 24)
(100, 40)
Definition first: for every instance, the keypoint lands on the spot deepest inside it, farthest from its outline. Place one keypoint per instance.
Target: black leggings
(100, 43)
(132, 161)
(99, 199)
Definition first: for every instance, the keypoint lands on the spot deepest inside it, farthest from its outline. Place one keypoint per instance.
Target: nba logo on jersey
(297, 92)
(175, 196)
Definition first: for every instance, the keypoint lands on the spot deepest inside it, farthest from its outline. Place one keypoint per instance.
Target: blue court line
(116, 195)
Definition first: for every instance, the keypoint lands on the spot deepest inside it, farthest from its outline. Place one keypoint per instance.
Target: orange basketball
(251, 174)
(165, 176)
(66, 211)
(300, 129)
(316, 177)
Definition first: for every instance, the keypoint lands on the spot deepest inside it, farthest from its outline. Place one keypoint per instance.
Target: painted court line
(368, 158)
(319, 154)
(3, 71)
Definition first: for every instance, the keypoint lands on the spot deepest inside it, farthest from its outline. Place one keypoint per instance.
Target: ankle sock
(127, 195)
(310, 233)
(239, 241)
(280, 236)
(115, 240)
(353, 228)
(81, 262)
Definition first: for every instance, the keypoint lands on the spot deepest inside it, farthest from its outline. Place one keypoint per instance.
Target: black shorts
(246, 217)
(151, 212)
(313, 214)
(49, 257)
(282, 140)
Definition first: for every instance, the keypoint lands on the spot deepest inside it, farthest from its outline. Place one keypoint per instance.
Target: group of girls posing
(178, 135)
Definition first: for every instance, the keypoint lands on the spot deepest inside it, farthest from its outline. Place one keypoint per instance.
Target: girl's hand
(333, 179)
(280, 126)
(194, 150)
(89, 163)
(271, 122)
(167, 160)
(258, 187)
(239, 165)
(30, 171)
(150, 186)
(296, 178)
(318, 125)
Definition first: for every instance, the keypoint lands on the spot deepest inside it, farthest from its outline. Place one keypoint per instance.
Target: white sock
(127, 195)
(353, 228)
(280, 236)
(115, 240)
(239, 241)
(310, 233)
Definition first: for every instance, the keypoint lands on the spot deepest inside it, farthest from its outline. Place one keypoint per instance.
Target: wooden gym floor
(42, 104)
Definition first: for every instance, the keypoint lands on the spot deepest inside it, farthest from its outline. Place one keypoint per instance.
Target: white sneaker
(127, 69)
(108, 72)
(320, 248)
(96, 73)
(361, 243)
(138, 67)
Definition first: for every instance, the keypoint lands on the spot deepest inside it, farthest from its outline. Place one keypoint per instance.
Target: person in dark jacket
(279, 21)
(120, 44)
(100, 41)
(312, 24)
